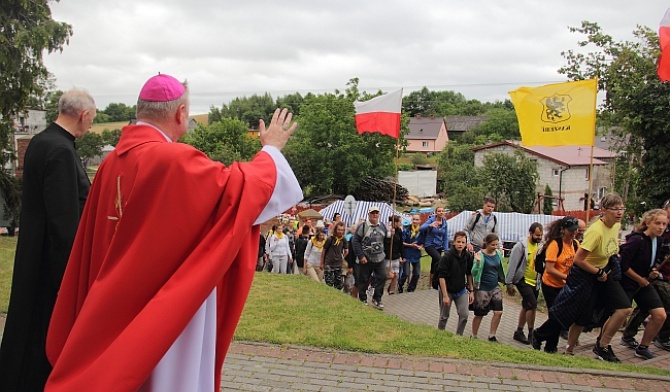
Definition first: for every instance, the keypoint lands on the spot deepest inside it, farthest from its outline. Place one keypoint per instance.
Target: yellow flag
(561, 114)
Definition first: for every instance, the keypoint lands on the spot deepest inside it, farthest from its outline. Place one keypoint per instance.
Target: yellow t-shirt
(531, 275)
(602, 242)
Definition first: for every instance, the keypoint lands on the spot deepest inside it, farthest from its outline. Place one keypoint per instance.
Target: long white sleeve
(287, 191)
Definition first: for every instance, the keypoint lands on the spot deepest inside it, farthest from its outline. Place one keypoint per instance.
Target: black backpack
(541, 255)
(479, 215)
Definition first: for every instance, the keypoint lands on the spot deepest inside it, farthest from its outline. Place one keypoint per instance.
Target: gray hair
(75, 101)
(160, 110)
(610, 200)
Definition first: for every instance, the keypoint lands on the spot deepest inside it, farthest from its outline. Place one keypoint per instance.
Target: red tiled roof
(564, 155)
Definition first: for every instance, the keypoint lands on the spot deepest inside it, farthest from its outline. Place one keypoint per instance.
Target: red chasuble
(163, 226)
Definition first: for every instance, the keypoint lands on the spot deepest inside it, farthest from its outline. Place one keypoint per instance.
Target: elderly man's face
(373, 216)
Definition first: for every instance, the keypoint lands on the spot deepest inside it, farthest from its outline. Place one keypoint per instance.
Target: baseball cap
(570, 223)
(373, 209)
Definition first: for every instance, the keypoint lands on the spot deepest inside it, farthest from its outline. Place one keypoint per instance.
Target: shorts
(609, 294)
(395, 266)
(646, 298)
(529, 295)
(488, 300)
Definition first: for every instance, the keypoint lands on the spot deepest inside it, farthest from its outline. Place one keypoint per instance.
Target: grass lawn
(291, 309)
(7, 247)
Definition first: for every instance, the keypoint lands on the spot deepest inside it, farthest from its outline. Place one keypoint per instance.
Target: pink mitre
(162, 88)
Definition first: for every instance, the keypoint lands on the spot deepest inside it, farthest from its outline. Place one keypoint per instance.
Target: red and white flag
(380, 114)
(664, 39)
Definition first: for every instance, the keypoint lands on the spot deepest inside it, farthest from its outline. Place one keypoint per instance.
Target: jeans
(404, 274)
(366, 270)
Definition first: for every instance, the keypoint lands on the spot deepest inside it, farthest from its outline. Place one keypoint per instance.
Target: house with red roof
(566, 169)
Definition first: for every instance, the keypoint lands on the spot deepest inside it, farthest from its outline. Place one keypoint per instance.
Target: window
(424, 144)
(556, 172)
(588, 173)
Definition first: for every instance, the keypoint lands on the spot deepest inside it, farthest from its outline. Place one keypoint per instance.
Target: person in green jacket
(487, 272)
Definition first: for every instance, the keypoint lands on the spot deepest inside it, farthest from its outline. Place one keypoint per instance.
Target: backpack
(479, 215)
(542, 254)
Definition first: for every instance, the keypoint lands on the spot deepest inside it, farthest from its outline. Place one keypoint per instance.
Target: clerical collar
(156, 128)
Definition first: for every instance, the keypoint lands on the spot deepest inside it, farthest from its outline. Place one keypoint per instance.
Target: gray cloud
(226, 49)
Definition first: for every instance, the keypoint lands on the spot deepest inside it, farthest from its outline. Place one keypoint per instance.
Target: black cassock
(55, 187)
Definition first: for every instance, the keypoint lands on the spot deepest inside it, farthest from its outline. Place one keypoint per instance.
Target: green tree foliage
(250, 109)
(27, 32)
(327, 154)
(111, 137)
(547, 203)
(458, 178)
(51, 105)
(89, 146)
(511, 180)
(117, 112)
(226, 141)
(500, 125)
(636, 102)
(419, 158)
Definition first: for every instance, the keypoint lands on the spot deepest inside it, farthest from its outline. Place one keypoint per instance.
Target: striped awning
(361, 212)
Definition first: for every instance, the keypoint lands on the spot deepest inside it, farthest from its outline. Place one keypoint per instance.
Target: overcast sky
(227, 49)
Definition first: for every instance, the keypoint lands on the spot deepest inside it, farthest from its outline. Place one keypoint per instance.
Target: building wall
(572, 181)
(442, 139)
(414, 145)
(437, 145)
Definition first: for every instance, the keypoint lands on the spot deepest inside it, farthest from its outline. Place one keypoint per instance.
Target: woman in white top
(312, 266)
(280, 251)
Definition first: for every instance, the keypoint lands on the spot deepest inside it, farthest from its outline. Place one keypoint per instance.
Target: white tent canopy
(511, 226)
(361, 212)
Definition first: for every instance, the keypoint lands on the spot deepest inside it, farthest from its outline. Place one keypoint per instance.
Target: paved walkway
(266, 367)
(421, 307)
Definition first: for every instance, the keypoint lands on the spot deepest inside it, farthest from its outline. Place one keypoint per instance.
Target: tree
(89, 146)
(636, 102)
(248, 109)
(547, 203)
(119, 112)
(326, 153)
(51, 105)
(458, 178)
(225, 141)
(27, 31)
(111, 137)
(511, 180)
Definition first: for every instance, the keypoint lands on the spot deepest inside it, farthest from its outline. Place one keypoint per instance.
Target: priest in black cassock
(55, 187)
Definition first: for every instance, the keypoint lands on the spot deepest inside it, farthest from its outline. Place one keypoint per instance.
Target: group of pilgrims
(588, 277)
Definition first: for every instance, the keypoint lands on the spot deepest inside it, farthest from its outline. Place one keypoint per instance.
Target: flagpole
(588, 196)
(395, 186)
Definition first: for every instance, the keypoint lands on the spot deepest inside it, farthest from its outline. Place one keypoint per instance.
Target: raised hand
(279, 131)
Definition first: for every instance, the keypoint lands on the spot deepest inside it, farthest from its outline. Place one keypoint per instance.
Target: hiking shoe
(520, 337)
(629, 342)
(569, 351)
(535, 342)
(662, 344)
(493, 339)
(378, 304)
(605, 354)
(643, 352)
